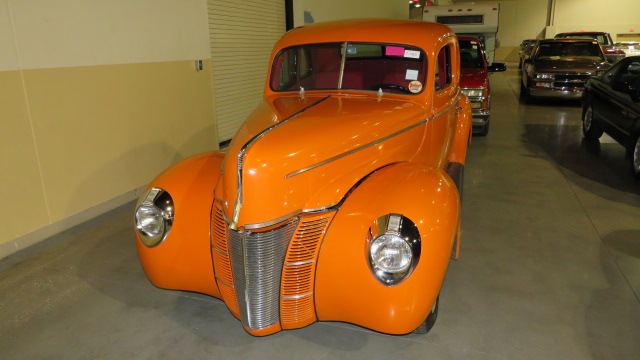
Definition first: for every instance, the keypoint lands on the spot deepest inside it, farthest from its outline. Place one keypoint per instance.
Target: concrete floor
(549, 269)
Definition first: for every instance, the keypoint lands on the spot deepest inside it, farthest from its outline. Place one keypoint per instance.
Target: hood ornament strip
(242, 153)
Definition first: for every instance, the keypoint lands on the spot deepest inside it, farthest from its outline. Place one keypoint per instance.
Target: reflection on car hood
(313, 151)
(473, 78)
(570, 65)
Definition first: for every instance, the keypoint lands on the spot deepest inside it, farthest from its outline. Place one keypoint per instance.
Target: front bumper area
(563, 93)
(267, 276)
(480, 119)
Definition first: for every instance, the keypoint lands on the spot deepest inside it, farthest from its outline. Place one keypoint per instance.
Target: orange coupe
(339, 197)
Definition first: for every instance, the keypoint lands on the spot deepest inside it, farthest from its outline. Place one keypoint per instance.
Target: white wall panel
(242, 36)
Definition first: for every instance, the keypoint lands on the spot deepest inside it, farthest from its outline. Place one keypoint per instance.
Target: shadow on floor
(603, 163)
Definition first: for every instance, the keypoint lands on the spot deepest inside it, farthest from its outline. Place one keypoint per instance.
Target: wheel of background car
(636, 159)
(390, 87)
(485, 128)
(524, 93)
(590, 128)
(430, 320)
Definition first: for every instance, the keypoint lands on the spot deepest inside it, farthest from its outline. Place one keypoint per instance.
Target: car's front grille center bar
(257, 260)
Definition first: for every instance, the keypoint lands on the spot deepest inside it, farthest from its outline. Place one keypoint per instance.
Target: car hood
(301, 153)
(571, 65)
(473, 78)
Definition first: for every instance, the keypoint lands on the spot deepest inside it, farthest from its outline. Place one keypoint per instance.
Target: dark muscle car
(560, 68)
(611, 104)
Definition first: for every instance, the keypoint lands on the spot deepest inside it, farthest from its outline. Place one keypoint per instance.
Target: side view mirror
(497, 67)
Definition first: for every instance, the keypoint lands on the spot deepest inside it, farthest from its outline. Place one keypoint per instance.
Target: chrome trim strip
(224, 283)
(220, 251)
(339, 156)
(272, 222)
(241, 154)
(300, 263)
(321, 209)
(297, 296)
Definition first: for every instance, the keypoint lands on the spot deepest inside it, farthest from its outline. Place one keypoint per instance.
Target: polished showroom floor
(549, 269)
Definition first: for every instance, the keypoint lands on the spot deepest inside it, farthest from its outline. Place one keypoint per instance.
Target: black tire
(635, 159)
(428, 323)
(485, 129)
(524, 93)
(590, 128)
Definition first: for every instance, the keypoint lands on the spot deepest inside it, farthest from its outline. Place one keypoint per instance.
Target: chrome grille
(571, 81)
(257, 259)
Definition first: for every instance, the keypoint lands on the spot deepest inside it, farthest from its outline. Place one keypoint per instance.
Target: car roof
(593, 41)
(468, 38)
(418, 33)
(582, 32)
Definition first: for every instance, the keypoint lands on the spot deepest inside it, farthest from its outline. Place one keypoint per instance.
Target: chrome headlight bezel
(157, 203)
(397, 231)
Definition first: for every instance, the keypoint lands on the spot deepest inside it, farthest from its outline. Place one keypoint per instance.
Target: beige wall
(328, 10)
(97, 98)
(615, 17)
(525, 19)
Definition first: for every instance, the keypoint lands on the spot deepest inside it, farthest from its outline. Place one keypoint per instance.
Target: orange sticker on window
(415, 86)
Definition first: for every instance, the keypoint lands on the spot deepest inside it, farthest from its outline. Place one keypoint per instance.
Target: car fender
(462, 136)
(346, 289)
(183, 259)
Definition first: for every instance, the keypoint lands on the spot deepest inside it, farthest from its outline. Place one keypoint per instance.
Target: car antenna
(301, 92)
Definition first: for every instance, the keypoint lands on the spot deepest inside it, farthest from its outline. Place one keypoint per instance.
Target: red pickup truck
(474, 81)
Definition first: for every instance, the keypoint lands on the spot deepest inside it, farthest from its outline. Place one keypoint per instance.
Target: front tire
(590, 129)
(428, 323)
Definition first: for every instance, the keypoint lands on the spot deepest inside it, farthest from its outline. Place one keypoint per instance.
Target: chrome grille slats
(297, 301)
(221, 261)
(257, 260)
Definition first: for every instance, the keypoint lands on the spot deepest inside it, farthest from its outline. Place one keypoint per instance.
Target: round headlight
(150, 221)
(154, 216)
(394, 248)
(390, 253)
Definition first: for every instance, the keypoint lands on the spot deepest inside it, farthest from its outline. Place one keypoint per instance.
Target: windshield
(470, 55)
(569, 50)
(367, 66)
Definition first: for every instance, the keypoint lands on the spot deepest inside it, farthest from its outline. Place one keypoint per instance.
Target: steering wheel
(390, 87)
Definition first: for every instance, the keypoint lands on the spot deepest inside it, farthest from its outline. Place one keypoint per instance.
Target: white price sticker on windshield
(411, 75)
(412, 54)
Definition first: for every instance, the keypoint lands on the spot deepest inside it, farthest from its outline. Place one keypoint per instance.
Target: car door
(621, 110)
(445, 104)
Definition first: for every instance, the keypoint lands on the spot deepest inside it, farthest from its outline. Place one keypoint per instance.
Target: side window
(443, 68)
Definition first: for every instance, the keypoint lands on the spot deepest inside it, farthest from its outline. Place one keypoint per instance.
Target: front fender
(183, 260)
(346, 290)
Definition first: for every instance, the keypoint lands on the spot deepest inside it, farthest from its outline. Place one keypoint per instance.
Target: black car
(611, 104)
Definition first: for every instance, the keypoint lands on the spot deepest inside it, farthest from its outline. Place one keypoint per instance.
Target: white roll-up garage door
(242, 36)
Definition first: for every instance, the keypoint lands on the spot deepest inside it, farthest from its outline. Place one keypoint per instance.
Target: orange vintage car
(339, 197)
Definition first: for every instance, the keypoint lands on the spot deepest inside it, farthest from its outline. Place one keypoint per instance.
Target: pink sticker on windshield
(394, 51)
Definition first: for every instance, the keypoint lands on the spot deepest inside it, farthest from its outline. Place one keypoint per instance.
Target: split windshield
(569, 50)
(367, 66)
